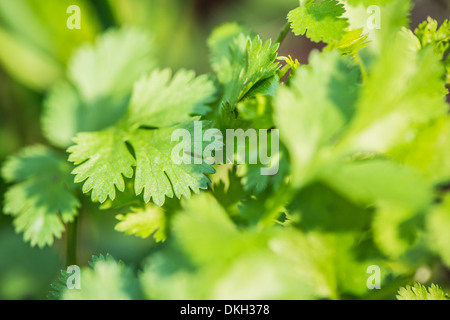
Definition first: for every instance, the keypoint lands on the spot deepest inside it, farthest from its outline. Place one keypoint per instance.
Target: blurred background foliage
(35, 48)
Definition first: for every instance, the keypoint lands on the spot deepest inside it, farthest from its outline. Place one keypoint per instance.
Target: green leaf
(428, 33)
(102, 258)
(369, 181)
(319, 20)
(241, 64)
(36, 70)
(226, 186)
(59, 286)
(254, 181)
(386, 118)
(220, 40)
(438, 224)
(322, 209)
(257, 111)
(381, 19)
(144, 222)
(398, 194)
(271, 263)
(112, 65)
(107, 280)
(104, 157)
(163, 100)
(428, 151)
(332, 263)
(99, 85)
(315, 109)
(198, 270)
(420, 292)
(350, 44)
(41, 199)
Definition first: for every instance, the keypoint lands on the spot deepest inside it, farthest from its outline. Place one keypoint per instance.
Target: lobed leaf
(42, 199)
(319, 20)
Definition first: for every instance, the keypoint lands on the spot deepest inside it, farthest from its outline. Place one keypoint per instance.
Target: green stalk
(283, 33)
(362, 67)
(72, 239)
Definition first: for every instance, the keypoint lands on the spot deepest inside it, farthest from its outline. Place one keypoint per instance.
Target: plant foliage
(363, 161)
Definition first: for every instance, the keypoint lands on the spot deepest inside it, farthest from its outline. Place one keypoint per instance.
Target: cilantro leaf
(240, 62)
(41, 200)
(316, 108)
(351, 42)
(289, 264)
(428, 33)
(420, 292)
(438, 224)
(144, 222)
(397, 194)
(386, 118)
(107, 279)
(99, 83)
(319, 20)
(163, 100)
(199, 229)
(427, 152)
(319, 208)
(59, 286)
(103, 158)
(220, 40)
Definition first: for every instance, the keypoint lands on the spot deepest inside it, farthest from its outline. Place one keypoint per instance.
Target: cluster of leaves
(364, 133)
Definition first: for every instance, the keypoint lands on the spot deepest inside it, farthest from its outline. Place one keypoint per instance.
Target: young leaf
(350, 44)
(41, 200)
(240, 62)
(428, 33)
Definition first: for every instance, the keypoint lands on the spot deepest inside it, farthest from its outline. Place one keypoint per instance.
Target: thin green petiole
(283, 33)
(72, 239)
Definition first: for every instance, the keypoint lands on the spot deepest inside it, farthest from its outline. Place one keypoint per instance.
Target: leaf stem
(72, 239)
(283, 33)
(362, 67)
